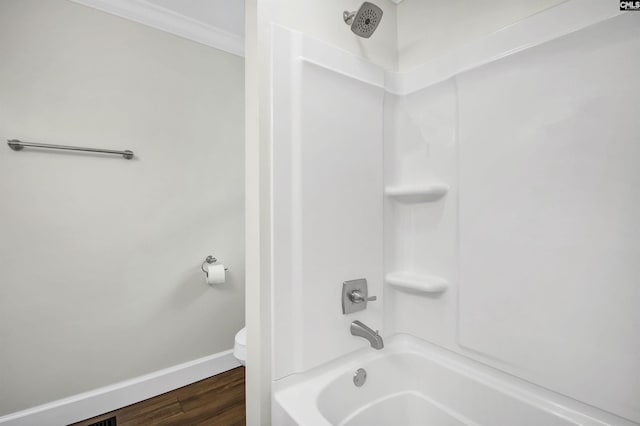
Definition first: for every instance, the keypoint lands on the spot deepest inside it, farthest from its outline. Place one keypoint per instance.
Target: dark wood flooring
(218, 400)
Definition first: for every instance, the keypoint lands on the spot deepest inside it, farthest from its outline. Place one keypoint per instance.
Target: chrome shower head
(365, 21)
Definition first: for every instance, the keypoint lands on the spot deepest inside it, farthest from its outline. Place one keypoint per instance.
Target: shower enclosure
(490, 199)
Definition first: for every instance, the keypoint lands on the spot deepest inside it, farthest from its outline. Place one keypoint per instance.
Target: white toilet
(240, 346)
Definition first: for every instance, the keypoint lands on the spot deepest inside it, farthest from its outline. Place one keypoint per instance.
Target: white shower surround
(421, 145)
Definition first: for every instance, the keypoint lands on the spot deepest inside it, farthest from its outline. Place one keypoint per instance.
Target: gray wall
(100, 257)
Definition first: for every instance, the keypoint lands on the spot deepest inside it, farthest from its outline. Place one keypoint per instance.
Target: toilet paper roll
(215, 273)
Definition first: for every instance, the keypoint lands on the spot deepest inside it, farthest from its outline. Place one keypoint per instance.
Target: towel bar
(18, 145)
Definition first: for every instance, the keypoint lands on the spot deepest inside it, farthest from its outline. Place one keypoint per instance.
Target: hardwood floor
(218, 400)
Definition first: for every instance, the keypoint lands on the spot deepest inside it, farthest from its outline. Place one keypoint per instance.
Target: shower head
(365, 21)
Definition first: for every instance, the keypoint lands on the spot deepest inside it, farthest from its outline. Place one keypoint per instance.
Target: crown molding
(169, 21)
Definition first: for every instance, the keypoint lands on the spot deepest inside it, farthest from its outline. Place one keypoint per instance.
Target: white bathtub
(411, 382)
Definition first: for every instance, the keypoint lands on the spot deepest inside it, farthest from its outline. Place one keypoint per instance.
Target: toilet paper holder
(210, 260)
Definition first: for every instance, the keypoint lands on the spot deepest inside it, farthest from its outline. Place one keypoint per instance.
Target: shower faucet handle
(357, 297)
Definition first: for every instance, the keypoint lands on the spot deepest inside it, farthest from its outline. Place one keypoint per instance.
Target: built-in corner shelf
(414, 283)
(416, 193)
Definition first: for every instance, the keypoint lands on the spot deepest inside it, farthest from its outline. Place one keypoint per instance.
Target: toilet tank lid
(241, 337)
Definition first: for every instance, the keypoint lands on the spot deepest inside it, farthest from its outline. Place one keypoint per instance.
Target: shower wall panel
(549, 207)
(537, 237)
(327, 192)
(420, 240)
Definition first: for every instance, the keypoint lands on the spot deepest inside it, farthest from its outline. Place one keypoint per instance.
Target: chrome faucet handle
(357, 297)
(354, 296)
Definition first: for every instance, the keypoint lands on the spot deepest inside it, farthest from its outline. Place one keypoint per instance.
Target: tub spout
(361, 330)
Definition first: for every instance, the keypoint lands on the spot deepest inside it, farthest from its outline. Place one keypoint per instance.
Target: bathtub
(411, 382)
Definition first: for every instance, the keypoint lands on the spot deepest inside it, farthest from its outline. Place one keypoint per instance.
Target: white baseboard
(99, 401)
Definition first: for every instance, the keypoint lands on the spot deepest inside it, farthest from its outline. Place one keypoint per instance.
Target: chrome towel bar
(18, 145)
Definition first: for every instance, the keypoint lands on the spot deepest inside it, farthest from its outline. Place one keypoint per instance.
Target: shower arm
(348, 17)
